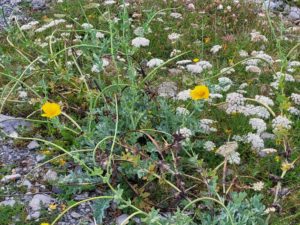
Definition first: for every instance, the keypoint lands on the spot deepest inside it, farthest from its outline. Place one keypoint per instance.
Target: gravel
(11, 10)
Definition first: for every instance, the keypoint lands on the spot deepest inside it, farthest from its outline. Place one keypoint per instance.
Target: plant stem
(72, 120)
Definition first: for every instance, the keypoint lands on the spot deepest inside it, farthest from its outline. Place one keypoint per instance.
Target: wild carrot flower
(199, 92)
(51, 110)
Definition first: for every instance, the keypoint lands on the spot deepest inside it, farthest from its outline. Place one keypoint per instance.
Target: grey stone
(33, 145)
(9, 202)
(33, 215)
(38, 4)
(120, 219)
(75, 215)
(38, 199)
(10, 124)
(8, 178)
(27, 183)
(294, 13)
(50, 176)
(273, 5)
(40, 158)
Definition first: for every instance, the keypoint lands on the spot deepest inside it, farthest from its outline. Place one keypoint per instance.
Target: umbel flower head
(199, 92)
(51, 110)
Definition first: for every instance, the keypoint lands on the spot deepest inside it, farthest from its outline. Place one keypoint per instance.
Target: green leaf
(99, 208)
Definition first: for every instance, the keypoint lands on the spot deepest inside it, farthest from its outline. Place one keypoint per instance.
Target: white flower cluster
(199, 67)
(154, 62)
(295, 98)
(257, 143)
(39, 42)
(209, 146)
(23, 94)
(294, 111)
(175, 52)
(253, 69)
(185, 132)
(264, 99)
(224, 84)
(49, 25)
(227, 70)
(141, 31)
(87, 26)
(182, 111)
(29, 25)
(287, 77)
(281, 123)
(215, 96)
(215, 49)
(183, 95)
(174, 36)
(270, 210)
(167, 89)
(267, 151)
(258, 111)
(262, 58)
(278, 76)
(229, 152)
(258, 186)
(243, 86)
(236, 104)
(99, 35)
(176, 15)
(140, 42)
(238, 138)
(183, 62)
(292, 66)
(234, 101)
(206, 126)
(109, 2)
(266, 58)
(258, 124)
(96, 68)
(234, 158)
(243, 53)
(257, 37)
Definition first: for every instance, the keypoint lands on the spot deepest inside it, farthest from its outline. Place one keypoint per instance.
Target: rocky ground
(39, 188)
(19, 161)
(14, 9)
(11, 10)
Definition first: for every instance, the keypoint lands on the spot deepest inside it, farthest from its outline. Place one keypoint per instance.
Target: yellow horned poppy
(199, 92)
(51, 110)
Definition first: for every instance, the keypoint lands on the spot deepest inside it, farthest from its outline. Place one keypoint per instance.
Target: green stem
(72, 120)
(114, 137)
(265, 105)
(78, 203)
(214, 200)
(99, 143)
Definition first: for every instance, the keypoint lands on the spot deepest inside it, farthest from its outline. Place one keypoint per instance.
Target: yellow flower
(51, 110)
(199, 92)
(62, 162)
(277, 158)
(52, 206)
(45, 224)
(196, 60)
(206, 40)
(285, 166)
(231, 62)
